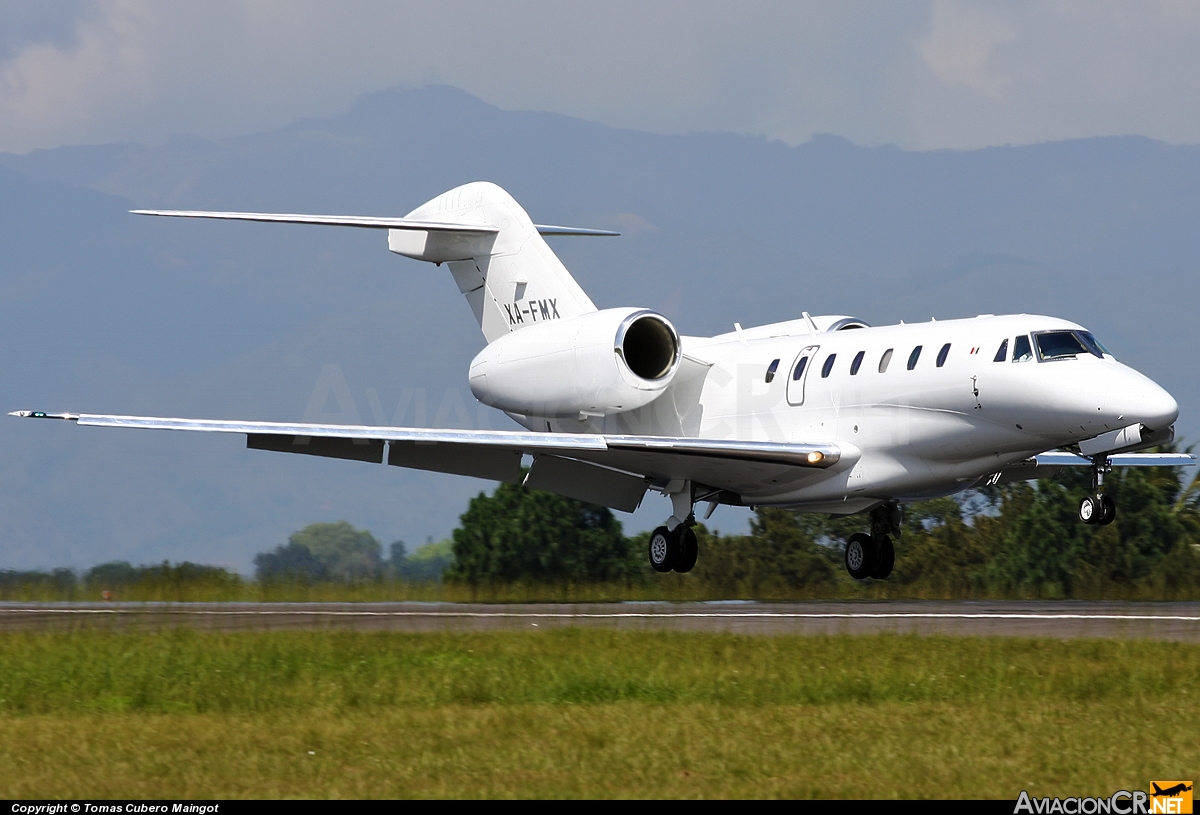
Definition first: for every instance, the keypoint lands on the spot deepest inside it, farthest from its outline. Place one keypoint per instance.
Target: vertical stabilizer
(511, 278)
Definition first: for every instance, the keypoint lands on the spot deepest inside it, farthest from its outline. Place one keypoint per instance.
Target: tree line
(1014, 540)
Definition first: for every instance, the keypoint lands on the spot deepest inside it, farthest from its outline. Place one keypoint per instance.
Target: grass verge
(583, 712)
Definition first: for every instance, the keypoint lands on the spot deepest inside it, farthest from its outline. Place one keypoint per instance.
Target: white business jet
(820, 414)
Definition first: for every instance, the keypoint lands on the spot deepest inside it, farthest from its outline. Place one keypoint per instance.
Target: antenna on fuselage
(812, 327)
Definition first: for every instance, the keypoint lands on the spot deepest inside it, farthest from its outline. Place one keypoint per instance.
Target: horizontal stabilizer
(365, 222)
(326, 220)
(546, 229)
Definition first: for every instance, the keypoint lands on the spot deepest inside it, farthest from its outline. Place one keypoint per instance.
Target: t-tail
(496, 253)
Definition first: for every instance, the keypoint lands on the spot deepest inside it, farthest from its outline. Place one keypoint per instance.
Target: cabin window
(945, 352)
(884, 360)
(799, 372)
(914, 356)
(1058, 345)
(858, 358)
(1002, 351)
(1022, 351)
(828, 366)
(771, 369)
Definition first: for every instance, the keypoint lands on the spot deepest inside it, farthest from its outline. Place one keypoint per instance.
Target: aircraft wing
(1062, 458)
(1045, 465)
(366, 222)
(612, 470)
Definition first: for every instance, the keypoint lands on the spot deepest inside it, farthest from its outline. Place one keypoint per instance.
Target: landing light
(816, 457)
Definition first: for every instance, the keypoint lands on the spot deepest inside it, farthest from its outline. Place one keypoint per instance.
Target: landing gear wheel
(860, 556)
(1090, 510)
(885, 560)
(688, 549)
(664, 549)
(1110, 510)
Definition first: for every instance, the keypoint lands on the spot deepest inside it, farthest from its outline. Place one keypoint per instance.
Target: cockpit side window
(1053, 345)
(1022, 351)
(941, 357)
(854, 366)
(884, 360)
(771, 369)
(914, 356)
(1002, 351)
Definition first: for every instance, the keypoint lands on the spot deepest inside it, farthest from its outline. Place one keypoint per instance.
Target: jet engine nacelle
(595, 364)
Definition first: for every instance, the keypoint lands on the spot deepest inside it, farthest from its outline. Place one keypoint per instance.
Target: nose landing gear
(874, 555)
(1098, 508)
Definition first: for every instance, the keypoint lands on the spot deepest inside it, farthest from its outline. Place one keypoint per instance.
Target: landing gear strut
(874, 555)
(1098, 508)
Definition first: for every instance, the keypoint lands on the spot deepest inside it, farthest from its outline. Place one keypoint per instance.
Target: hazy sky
(922, 74)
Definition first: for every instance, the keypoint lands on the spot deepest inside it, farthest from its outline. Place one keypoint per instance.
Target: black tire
(885, 560)
(1090, 510)
(664, 549)
(1110, 510)
(860, 556)
(689, 549)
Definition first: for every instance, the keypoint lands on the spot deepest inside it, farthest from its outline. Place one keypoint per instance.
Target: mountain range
(106, 312)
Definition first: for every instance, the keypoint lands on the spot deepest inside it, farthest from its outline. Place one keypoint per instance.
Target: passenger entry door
(798, 373)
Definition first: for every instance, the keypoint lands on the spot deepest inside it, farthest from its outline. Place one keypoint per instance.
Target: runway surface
(1168, 621)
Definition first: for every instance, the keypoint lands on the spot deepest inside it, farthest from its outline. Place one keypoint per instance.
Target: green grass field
(575, 712)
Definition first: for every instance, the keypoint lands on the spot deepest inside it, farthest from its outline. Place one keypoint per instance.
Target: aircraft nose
(1141, 399)
(1161, 409)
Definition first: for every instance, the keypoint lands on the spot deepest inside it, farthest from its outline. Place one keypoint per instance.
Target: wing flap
(368, 450)
(586, 482)
(478, 461)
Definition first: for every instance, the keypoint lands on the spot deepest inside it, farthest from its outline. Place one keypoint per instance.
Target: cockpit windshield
(1094, 345)
(1053, 345)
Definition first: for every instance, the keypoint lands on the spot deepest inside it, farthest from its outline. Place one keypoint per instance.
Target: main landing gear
(673, 547)
(874, 555)
(1098, 508)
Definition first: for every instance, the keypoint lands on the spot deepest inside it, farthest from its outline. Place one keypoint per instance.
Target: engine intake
(598, 363)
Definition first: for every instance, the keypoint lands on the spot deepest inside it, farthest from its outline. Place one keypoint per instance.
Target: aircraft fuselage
(911, 423)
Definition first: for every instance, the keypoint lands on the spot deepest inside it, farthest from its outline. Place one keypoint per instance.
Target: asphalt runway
(1163, 621)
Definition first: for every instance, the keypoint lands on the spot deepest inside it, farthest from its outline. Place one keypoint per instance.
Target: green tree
(939, 551)
(426, 565)
(321, 551)
(781, 553)
(519, 535)
(1187, 505)
(787, 548)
